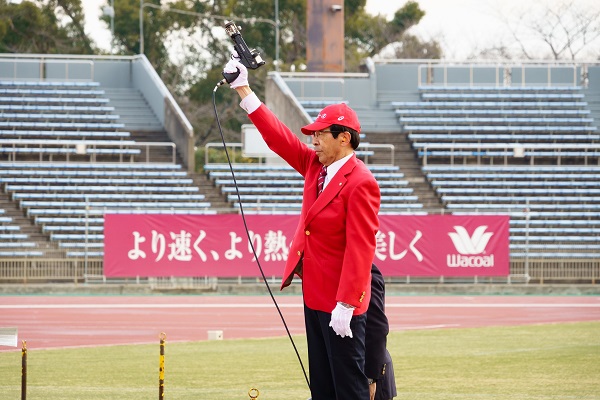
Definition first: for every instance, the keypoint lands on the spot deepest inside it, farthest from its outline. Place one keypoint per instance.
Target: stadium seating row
(51, 84)
(475, 105)
(58, 134)
(62, 108)
(53, 117)
(89, 167)
(28, 100)
(68, 200)
(51, 92)
(553, 207)
(539, 112)
(424, 138)
(60, 125)
(499, 89)
(279, 188)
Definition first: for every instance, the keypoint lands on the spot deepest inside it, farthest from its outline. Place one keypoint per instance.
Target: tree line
(188, 49)
(185, 42)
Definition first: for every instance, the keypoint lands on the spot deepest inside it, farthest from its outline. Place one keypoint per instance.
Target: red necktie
(321, 180)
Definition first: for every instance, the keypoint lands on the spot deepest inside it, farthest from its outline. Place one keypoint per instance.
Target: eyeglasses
(318, 134)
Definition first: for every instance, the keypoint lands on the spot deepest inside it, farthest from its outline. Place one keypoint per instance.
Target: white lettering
(458, 260)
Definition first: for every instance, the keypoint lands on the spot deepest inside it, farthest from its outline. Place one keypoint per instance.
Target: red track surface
(70, 321)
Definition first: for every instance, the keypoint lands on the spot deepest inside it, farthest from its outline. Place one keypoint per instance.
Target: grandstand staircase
(27, 226)
(406, 158)
(377, 120)
(144, 126)
(380, 126)
(593, 100)
(212, 193)
(217, 200)
(133, 110)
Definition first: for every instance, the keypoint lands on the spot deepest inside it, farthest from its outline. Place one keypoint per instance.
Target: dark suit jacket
(335, 237)
(378, 361)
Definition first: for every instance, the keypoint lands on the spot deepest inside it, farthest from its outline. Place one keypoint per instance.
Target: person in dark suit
(378, 362)
(334, 244)
(379, 368)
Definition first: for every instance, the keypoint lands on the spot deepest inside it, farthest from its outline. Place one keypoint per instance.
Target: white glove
(340, 320)
(233, 66)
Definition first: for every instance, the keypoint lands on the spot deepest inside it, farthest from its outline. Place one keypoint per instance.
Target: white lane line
(496, 305)
(246, 305)
(420, 327)
(125, 306)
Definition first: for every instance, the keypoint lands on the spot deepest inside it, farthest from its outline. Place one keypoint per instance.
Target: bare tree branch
(568, 30)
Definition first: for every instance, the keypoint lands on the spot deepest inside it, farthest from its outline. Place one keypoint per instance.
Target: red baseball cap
(335, 114)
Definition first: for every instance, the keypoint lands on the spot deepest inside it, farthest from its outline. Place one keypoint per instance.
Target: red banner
(149, 245)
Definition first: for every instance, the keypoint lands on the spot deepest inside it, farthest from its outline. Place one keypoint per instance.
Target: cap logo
(322, 116)
(340, 118)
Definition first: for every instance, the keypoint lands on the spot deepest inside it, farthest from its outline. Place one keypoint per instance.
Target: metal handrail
(503, 73)
(516, 148)
(364, 146)
(42, 61)
(84, 144)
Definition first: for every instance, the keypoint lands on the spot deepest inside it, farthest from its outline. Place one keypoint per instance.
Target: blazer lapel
(332, 189)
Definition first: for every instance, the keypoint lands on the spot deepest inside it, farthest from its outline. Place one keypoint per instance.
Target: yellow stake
(24, 371)
(161, 367)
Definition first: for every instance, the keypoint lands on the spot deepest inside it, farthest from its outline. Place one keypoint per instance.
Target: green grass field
(558, 361)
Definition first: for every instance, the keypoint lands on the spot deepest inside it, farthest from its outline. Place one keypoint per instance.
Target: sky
(94, 27)
(460, 26)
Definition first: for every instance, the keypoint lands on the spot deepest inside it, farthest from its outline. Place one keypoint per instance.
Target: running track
(74, 321)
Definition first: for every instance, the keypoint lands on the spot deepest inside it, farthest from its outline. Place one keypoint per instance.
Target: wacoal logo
(466, 244)
(468, 247)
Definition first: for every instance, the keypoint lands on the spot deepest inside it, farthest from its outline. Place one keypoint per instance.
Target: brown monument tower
(325, 35)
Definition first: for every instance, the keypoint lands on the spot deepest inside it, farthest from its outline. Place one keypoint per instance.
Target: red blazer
(335, 237)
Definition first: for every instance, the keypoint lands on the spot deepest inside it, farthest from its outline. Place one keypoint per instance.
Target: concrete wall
(281, 100)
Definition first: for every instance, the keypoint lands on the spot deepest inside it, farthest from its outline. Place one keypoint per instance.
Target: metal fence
(79, 270)
(17, 270)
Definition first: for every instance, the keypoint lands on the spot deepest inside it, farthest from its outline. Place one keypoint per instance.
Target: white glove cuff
(250, 103)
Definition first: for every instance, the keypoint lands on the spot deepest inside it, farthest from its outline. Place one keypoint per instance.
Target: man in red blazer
(334, 244)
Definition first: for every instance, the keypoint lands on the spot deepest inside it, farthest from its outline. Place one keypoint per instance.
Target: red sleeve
(281, 139)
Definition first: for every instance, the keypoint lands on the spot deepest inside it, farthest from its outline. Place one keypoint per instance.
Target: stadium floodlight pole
(142, 26)
(277, 35)
(110, 12)
(252, 20)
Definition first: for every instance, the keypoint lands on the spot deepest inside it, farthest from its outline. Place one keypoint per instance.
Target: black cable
(250, 239)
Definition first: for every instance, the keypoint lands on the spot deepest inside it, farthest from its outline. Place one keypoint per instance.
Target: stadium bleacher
(48, 119)
(548, 117)
(68, 200)
(278, 188)
(64, 189)
(466, 137)
(531, 151)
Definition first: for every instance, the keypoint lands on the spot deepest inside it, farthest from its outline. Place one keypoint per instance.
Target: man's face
(328, 148)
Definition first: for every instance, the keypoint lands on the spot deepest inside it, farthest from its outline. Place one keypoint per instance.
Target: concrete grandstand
(85, 136)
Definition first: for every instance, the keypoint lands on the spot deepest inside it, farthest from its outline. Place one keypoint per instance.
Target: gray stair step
(133, 110)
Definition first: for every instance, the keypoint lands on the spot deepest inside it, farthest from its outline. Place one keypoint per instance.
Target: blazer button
(307, 233)
(299, 253)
